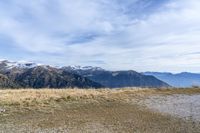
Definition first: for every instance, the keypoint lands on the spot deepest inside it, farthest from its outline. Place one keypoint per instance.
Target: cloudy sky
(142, 35)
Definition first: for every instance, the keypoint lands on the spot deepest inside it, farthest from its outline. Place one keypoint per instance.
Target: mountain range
(184, 79)
(32, 75)
(116, 79)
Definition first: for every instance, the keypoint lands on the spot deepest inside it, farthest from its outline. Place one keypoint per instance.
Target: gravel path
(184, 106)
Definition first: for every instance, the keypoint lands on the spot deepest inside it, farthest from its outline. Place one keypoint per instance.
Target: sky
(141, 35)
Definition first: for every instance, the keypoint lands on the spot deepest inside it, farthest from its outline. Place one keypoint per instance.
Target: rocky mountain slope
(40, 77)
(5, 82)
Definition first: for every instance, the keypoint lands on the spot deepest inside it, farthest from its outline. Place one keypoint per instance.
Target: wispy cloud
(153, 35)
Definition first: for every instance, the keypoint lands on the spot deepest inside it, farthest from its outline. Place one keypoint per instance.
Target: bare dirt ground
(90, 111)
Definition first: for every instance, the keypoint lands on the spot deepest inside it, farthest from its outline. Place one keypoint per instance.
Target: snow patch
(85, 68)
(20, 64)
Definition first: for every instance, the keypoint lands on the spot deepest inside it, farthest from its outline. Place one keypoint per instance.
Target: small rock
(2, 110)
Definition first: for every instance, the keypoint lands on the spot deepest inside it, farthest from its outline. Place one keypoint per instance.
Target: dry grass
(44, 95)
(47, 96)
(80, 110)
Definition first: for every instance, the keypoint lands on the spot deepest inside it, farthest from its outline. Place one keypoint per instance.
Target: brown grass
(44, 95)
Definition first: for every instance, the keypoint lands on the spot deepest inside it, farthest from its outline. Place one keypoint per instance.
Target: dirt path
(110, 117)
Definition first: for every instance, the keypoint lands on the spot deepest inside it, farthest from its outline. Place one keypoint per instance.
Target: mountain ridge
(116, 79)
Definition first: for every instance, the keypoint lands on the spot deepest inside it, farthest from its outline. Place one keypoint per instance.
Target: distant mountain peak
(7, 65)
(91, 68)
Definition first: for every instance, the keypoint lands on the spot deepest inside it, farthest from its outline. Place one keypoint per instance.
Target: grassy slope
(76, 110)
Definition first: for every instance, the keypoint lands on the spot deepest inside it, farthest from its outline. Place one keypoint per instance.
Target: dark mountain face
(5, 82)
(178, 80)
(48, 77)
(117, 79)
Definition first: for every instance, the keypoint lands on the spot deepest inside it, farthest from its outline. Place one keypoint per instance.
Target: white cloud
(107, 31)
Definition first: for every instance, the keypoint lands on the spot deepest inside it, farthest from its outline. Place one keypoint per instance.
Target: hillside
(5, 82)
(41, 77)
(116, 79)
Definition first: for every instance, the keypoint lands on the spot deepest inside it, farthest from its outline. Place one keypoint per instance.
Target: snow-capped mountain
(26, 65)
(5, 64)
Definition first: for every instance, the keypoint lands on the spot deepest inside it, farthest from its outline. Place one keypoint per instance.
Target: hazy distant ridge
(183, 79)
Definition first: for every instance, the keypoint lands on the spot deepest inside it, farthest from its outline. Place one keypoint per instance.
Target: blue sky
(142, 35)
